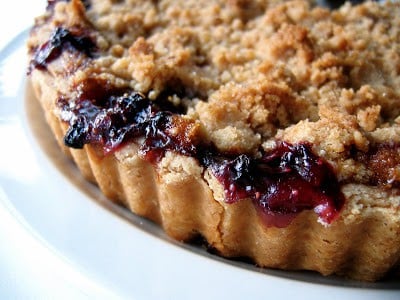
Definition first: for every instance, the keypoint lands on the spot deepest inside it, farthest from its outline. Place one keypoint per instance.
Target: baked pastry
(269, 128)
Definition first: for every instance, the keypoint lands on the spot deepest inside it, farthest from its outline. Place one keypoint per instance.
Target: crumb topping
(252, 72)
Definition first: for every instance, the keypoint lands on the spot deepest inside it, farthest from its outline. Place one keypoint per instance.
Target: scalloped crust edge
(362, 244)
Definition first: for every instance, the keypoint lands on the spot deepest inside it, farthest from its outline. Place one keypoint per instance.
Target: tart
(270, 129)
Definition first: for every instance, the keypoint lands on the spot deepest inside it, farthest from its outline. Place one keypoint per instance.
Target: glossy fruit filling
(114, 120)
(281, 182)
(61, 40)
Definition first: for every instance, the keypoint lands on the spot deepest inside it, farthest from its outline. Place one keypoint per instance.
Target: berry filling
(281, 183)
(111, 122)
(61, 40)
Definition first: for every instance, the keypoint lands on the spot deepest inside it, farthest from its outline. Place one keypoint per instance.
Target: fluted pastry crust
(313, 76)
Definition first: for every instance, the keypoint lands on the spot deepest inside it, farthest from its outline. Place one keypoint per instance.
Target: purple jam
(116, 119)
(281, 182)
(62, 39)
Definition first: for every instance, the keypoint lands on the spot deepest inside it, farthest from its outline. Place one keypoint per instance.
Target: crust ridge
(187, 200)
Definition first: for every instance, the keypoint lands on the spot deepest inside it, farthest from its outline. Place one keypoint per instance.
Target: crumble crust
(291, 72)
(248, 73)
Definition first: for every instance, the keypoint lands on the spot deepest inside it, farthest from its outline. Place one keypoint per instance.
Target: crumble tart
(269, 128)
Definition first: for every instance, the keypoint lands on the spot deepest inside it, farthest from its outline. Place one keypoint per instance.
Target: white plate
(123, 254)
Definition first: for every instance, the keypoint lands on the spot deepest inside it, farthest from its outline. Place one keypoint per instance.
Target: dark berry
(284, 181)
(61, 39)
(281, 182)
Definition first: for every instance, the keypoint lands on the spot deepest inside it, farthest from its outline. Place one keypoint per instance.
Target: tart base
(184, 197)
(187, 201)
